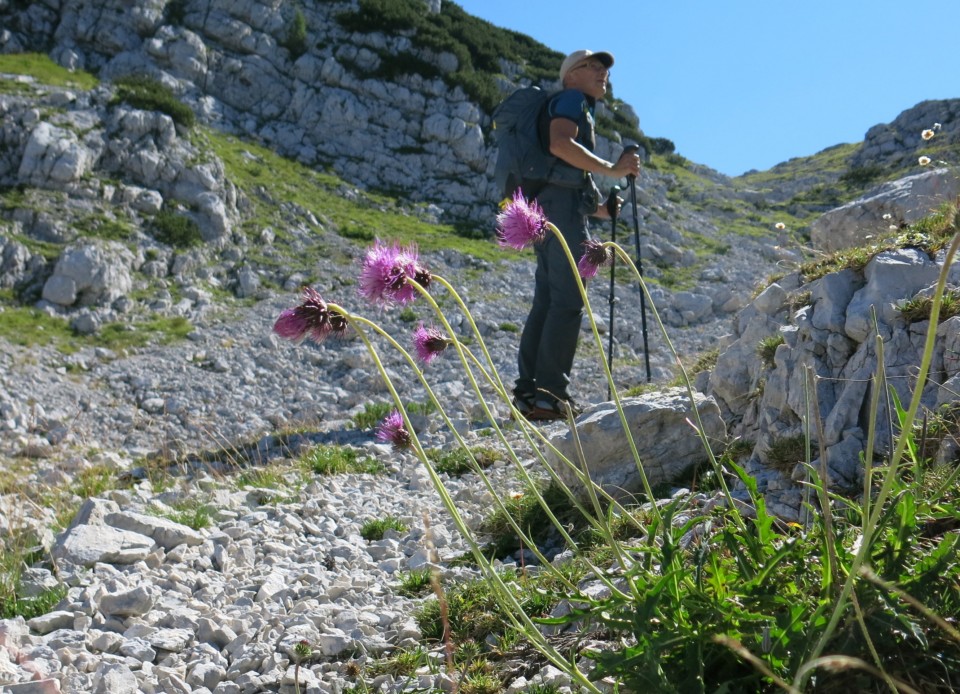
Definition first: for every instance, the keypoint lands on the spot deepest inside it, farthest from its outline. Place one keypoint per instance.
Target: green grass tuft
(337, 460)
(375, 528)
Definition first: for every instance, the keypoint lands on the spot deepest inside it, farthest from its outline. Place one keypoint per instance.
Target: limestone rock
(89, 274)
(903, 201)
(667, 445)
(86, 545)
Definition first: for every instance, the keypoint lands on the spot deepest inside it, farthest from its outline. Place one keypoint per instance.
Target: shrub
(296, 39)
(176, 230)
(661, 145)
(149, 94)
(862, 176)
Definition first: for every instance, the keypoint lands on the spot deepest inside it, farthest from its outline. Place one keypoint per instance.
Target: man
(549, 339)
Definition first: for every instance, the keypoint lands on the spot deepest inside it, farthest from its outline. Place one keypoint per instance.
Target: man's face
(589, 76)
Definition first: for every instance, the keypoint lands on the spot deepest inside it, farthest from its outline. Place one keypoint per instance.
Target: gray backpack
(523, 159)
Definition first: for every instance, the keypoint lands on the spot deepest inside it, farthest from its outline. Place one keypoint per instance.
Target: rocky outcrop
(826, 365)
(887, 207)
(90, 274)
(892, 144)
(410, 133)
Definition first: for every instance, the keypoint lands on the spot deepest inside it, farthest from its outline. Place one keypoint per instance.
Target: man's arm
(563, 144)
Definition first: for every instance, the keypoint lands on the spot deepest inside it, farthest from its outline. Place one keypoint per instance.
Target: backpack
(522, 156)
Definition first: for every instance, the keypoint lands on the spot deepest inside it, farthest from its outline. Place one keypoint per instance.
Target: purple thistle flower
(392, 430)
(595, 256)
(312, 319)
(383, 277)
(521, 223)
(429, 343)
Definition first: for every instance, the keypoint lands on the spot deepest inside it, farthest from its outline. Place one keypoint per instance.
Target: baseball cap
(577, 57)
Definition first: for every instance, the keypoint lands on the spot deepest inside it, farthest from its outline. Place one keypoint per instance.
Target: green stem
(515, 612)
(698, 425)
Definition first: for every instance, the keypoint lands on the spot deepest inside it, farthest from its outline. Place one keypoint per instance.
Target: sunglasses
(594, 65)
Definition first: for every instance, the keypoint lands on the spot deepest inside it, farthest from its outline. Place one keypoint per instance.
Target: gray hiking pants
(549, 339)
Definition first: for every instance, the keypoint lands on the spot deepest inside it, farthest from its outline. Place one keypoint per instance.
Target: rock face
(827, 364)
(890, 144)
(667, 445)
(229, 62)
(889, 205)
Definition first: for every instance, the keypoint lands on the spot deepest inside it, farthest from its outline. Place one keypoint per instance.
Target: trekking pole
(612, 211)
(636, 240)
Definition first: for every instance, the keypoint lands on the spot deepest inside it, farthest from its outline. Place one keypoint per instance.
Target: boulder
(54, 157)
(667, 443)
(90, 274)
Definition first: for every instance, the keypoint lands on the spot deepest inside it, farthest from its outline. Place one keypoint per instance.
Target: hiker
(569, 196)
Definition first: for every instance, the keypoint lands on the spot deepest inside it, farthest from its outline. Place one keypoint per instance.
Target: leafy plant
(402, 664)
(372, 415)
(191, 512)
(474, 611)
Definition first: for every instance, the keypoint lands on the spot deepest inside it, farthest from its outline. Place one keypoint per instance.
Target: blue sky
(747, 84)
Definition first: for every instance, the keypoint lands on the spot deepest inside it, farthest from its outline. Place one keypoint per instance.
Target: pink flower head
(521, 223)
(312, 319)
(429, 343)
(392, 430)
(383, 277)
(595, 256)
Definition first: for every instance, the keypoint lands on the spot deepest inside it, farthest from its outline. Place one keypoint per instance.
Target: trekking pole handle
(612, 202)
(631, 149)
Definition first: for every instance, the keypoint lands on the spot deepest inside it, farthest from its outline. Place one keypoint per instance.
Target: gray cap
(577, 57)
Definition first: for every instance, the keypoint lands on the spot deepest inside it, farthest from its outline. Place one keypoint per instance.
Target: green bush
(661, 145)
(862, 176)
(478, 45)
(296, 40)
(149, 94)
(175, 230)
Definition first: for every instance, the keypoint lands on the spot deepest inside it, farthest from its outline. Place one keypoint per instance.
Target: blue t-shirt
(575, 106)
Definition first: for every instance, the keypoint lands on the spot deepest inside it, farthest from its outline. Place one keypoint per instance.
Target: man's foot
(547, 409)
(524, 403)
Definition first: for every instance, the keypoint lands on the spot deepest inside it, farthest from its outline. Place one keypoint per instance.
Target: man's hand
(603, 212)
(627, 165)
